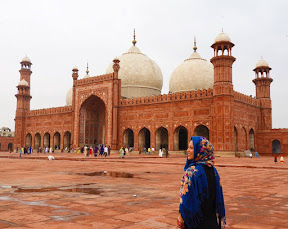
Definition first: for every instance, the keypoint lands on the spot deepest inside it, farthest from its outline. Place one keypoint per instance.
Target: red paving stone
(37, 193)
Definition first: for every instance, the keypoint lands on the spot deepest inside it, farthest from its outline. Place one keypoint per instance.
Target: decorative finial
(195, 47)
(87, 71)
(134, 41)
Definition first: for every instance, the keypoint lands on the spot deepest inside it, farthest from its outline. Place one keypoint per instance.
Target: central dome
(140, 76)
(193, 73)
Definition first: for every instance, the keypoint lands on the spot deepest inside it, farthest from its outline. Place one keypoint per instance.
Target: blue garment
(194, 186)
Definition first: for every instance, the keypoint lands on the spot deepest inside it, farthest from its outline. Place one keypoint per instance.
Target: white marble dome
(262, 63)
(23, 83)
(26, 59)
(69, 96)
(222, 37)
(193, 73)
(140, 76)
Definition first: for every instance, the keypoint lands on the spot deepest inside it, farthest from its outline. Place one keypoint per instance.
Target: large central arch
(92, 121)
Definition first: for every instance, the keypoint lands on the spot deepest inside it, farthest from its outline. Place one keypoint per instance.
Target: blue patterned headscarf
(194, 186)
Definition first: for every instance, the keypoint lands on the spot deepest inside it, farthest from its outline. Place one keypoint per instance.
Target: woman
(201, 196)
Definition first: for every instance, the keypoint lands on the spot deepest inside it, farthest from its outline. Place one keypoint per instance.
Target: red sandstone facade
(232, 121)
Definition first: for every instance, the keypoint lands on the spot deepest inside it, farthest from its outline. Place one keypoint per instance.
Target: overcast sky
(58, 34)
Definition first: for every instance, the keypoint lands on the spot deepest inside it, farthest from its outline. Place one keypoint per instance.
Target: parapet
(246, 99)
(178, 96)
(48, 111)
(94, 79)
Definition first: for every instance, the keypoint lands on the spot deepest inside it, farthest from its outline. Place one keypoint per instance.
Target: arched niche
(28, 140)
(144, 138)
(201, 130)
(161, 138)
(180, 138)
(92, 122)
(128, 138)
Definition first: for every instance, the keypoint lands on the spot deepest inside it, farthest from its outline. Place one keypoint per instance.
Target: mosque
(125, 107)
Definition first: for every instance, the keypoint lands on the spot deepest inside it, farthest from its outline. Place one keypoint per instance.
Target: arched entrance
(128, 138)
(251, 140)
(180, 138)
(276, 146)
(92, 121)
(67, 140)
(28, 141)
(161, 138)
(37, 141)
(201, 130)
(235, 139)
(46, 140)
(144, 138)
(244, 139)
(56, 140)
(10, 146)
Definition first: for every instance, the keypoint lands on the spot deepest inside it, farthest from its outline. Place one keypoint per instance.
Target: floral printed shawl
(194, 186)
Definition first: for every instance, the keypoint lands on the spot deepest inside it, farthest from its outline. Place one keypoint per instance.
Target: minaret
(222, 61)
(23, 101)
(262, 82)
(223, 96)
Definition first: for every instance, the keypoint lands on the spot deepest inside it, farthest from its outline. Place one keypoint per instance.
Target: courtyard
(140, 191)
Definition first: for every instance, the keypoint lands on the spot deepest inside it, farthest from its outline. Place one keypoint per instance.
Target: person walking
(160, 152)
(105, 151)
(201, 194)
(275, 159)
(281, 158)
(109, 150)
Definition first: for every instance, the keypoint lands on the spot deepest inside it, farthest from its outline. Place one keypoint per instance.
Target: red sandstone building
(125, 107)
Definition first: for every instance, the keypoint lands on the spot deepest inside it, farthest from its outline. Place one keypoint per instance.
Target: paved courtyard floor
(136, 192)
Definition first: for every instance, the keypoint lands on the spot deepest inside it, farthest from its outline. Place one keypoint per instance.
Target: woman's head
(200, 150)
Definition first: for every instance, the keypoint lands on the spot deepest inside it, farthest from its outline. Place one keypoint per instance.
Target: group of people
(124, 151)
(281, 158)
(101, 150)
(23, 150)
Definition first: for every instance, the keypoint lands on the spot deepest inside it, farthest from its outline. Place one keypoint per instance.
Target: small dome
(75, 68)
(262, 63)
(26, 59)
(86, 76)
(23, 83)
(140, 76)
(193, 73)
(69, 96)
(222, 37)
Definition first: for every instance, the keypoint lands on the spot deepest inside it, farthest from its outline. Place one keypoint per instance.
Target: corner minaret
(262, 82)
(23, 101)
(223, 95)
(222, 62)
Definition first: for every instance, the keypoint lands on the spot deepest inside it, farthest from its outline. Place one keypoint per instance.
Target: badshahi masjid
(125, 107)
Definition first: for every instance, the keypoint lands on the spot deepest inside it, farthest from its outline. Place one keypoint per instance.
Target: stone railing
(178, 96)
(94, 79)
(49, 111)
(246, 99)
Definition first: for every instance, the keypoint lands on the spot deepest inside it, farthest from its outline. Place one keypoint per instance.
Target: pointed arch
(128, 138)
(162, 138)
(251, 140)
(10, 146)
(180, 138)
(201, 130)
(276, 146)
(67, 139)
(144, 138)
(37, 141)
(92, 121)
(28, 140)
(57, 140)
(235, 139)
(46, 140)
(244, 138)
